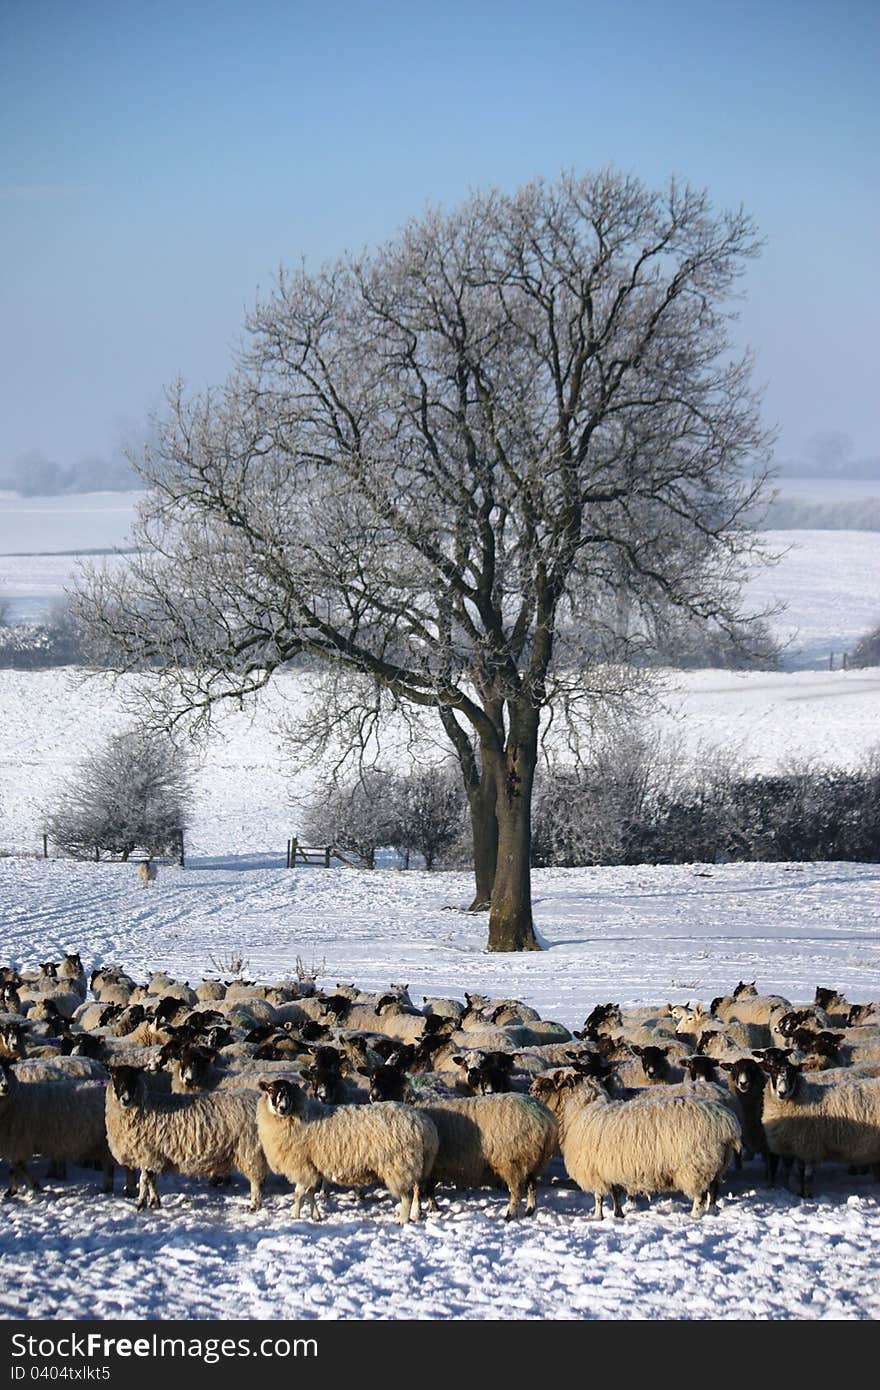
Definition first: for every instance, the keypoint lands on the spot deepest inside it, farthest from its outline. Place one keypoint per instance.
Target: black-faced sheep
(203, 1135)
(352, 1146)
(656, 1143)
(815, 1122)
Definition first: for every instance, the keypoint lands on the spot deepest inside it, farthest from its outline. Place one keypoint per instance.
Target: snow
(636, 935)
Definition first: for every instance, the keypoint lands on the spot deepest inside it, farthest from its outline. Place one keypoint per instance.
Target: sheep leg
(256, 1193)
(147, 1194)
(805, 1172)
(616, 1196)
(130, 1189)
(515, 1188)
(415, 1210)
(772, 1168)
(107, 1168)
(599, 1206)
(531, 1194)
(697, 1208)
(404, 1210)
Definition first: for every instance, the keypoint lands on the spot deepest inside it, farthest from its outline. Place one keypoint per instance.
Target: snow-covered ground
(635, 935)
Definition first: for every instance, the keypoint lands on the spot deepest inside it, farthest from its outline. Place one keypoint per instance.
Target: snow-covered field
(637, 935)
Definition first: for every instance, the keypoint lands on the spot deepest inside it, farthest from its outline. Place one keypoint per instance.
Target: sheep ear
(460, 1061)
(634, 1047)
(263, 1084)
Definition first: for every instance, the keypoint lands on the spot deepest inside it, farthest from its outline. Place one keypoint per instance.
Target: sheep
(656, 1143)
(814, 1123)
(351, 1145)
(60, 1068)
(203, 1135)
(745, 1005)
(111, 985)
(147, 871)
(746, 1081)
(439, 1007)
(63, 1120)
(859, 1013)
(71, 972)
(482, 1139)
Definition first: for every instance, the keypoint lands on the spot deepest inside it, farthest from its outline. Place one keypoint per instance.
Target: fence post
(293, 848)
(327, 857)
(831, 662)
(45, 846)
(178, 835)
(845, 655)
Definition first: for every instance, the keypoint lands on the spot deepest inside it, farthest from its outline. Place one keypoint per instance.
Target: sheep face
(700, 1068)
(747, 1075)
(745, 990)
(283, 1097)
(126, 1084)
(7, 1081)
(12, 1039)
(829, 999)
(195, 1067)
(782, 1077)
(654, 1061)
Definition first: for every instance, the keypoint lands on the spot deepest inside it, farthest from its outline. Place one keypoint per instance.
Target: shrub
(867, 650)
(132, 794)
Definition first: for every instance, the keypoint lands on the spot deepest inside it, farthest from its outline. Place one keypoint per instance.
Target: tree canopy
(440, 464)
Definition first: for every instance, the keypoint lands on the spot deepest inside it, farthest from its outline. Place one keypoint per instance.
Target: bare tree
(436, 467)
(358, 816)
(133, 793)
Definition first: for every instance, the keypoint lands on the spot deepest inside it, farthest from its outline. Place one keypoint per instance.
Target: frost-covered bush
(601, 811)
(133, 794)
(431, 813)
(358, 817)
(867, 650)
(647, 807)
(59, 641)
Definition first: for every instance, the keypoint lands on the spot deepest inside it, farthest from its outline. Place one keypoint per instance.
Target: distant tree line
(59, 640)
(34, 475)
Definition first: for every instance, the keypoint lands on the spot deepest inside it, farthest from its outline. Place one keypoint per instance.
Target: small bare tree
(134, 793)
(357, 816)
(431, 811)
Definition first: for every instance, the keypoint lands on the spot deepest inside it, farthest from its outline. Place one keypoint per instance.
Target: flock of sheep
(350, 1088)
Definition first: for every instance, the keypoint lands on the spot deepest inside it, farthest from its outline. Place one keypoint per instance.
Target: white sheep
(62, 1120)
(655, 1143)
(203, 1135)
(813, 1121)
(351, 1146)
(484, 1139)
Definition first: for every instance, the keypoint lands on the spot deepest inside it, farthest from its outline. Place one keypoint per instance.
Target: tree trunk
(484, 831)
(510, 914)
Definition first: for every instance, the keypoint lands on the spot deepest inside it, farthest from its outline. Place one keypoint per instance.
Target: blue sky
(159, 160)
